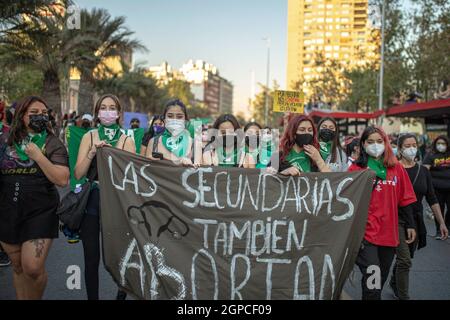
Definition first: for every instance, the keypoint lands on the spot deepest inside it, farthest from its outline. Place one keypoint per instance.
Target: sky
(227, 33)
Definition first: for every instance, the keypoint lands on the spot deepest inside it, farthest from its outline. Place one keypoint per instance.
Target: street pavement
(429, 277)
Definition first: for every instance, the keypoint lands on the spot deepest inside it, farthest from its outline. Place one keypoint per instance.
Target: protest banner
(212, 233)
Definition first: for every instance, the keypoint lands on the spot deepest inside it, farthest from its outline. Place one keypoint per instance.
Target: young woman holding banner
(107, 112)
(175, 143)
(32, 161)
(299, 148)
(224, 150)
(330, 148)
(392, 190)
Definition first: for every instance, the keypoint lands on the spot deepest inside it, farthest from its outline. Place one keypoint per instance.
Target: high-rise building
(208, 86)
(338, 29)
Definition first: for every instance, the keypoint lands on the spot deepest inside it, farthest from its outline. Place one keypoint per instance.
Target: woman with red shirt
(392, 191)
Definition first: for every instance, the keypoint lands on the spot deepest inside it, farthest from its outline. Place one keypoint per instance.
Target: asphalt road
(429, 277)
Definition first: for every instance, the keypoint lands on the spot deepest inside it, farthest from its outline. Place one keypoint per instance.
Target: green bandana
(176, 145)
(378, 167)
(299, 160)
(38, 139)
(227, 160)
(110, 134)
(264, 156)
(325, 149)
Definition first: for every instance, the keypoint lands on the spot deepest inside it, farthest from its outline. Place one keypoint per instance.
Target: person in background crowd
(223, 149)
(352, 149)
(330, 148)
(438, 162)
(252, 141)
(9, 115)
(205, 136)
(423, 187)
(299, 148)
(87, 121)
(156, 128)
(4, 129)
(78, 121)
(108, 112)
(32, 162)
(135, 123)
(392, 190)
(394, 146)
(175, 143)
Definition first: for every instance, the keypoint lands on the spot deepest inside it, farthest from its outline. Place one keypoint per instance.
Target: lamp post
(380, 90)
(266, 100)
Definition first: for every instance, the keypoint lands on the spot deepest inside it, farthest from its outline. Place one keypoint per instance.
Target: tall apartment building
(336, 28)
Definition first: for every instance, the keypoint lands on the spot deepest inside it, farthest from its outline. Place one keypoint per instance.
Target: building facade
(337, 29)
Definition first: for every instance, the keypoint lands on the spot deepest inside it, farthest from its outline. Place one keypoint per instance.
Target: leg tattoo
(39, 246)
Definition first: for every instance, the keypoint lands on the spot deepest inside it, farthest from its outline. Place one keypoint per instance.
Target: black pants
(443, 196)
(90, 236)
(373, 255)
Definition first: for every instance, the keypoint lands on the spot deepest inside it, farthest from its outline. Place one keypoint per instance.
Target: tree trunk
(51, 91)
(86, 94)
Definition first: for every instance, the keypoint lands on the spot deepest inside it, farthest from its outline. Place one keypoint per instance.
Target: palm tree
(43, 42)
(137, 92)
(110, 39)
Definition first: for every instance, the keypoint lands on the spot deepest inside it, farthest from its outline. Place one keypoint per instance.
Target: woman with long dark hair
(420, 177)
(392, 190)
(175, 143)
(438, 162)
(330, 148)
(32, 162)
(223, 150)
(108, 114)
(299, 148)
(156, 128)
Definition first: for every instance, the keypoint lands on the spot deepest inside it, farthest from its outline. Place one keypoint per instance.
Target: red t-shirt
(394, 192)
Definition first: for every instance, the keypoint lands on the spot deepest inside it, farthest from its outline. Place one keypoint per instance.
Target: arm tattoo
(39, 247)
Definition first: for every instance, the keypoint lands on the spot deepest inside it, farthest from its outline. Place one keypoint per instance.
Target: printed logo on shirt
(380, 183)
(19, 171)
(442, 162)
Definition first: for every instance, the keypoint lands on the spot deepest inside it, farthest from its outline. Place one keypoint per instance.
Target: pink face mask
(108, 118)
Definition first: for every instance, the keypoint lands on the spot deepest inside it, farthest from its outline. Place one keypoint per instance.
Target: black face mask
(326, 135)
(134, 126)
(229, 138)
(303, 139)
(38, 122)
(252, 141)
(86, 124)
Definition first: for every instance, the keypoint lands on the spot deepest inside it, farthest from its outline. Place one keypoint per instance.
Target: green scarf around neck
(110, 134)
(38, 139)
(325, 149)
(176, 145)
(227, 159)
(378, 167)
(299, 160)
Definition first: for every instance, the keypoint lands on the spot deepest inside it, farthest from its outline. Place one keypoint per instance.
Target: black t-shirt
(11, 166)
(440, 169)
(423, 186)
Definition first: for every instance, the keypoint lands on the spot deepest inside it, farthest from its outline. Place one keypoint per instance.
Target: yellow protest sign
(288, 101)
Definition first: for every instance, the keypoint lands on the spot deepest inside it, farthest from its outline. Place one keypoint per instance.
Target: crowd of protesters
(34, 162)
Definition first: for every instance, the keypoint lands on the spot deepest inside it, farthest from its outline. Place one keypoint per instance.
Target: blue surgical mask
(395, 150)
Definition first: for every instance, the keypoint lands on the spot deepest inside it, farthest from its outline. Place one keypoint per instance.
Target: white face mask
(175, 126)
(441, 147)
(409, 153)
(375, 149)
